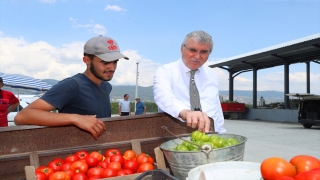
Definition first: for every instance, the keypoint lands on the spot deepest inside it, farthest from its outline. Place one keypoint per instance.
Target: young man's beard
(95, 73)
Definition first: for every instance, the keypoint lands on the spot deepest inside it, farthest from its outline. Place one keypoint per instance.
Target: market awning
(24, 82)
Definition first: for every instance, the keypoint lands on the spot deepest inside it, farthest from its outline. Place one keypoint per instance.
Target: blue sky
(45, 38)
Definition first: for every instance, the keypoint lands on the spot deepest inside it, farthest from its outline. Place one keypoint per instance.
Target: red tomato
(112, 151)
(132, 165)
(79, 167)
(128, 171)
(66, 166)
(97, 155)
(145, 167)
(275, 167)
(125, 160)
(117, 158)
(70, 172)
(122, 173)
(95, 171)
(308, 175)
(144, 158)
(82, 154)
(80, 176)
(71, 158)
(94, 178)
(107, 159)
(285, 178)
(130, 154)
(109, 173)
(115, 165)
(56, 164)
(41, 175)
(92, 161)
(103, 164)
(47, 170)
(304, 163)
(60, 175)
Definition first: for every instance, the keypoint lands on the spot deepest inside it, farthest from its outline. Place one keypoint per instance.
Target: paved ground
(269, 139)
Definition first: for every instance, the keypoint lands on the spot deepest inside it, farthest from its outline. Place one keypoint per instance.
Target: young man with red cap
(8, 102)
(82, 98)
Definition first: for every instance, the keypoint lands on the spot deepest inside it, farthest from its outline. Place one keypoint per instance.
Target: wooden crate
(17, 142)
(135, 145)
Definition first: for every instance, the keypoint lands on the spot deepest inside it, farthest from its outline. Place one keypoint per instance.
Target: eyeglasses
(194, 51)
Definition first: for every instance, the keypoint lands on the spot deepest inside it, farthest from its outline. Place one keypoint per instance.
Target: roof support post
(254, 87)
(308, 76)
(230, 86)
(286, 84)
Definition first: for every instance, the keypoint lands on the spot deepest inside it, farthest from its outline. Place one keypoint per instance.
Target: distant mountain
(146, 93)
(50, 81)
(244, 96)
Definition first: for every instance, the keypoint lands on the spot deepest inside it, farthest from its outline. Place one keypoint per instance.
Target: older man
(187, 90)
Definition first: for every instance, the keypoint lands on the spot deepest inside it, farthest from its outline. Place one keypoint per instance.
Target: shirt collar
(185, 69)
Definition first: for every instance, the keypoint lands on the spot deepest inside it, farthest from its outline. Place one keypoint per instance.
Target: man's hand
(91, 124)
(196, 119)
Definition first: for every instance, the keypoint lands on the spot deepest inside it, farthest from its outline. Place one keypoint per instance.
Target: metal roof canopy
(305, 49)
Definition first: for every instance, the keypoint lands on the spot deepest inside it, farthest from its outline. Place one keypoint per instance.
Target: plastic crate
(157, 174)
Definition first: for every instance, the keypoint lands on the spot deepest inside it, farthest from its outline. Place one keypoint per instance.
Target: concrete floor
(270, 139)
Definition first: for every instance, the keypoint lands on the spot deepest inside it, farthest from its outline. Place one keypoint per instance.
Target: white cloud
(40, 59)
(92, 27)
(43, 61)
(272, 81)
(114, 8)
(126, 70)
(99, 29)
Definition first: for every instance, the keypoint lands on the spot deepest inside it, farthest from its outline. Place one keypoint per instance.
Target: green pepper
(196, 135)
(193, 147)
(185, 143)
(208, 143)
(181, 147)
(199, 136)
(233, 141)
(213, 137)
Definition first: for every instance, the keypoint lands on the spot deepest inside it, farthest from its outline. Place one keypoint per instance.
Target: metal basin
(182, 162)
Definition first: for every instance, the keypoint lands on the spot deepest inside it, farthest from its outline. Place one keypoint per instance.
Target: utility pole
(137, 77)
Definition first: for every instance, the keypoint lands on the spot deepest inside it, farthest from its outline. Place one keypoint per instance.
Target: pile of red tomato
(89, 166)
(300, 167)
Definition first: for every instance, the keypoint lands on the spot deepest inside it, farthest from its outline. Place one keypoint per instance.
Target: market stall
(17, 142)
(25, 148)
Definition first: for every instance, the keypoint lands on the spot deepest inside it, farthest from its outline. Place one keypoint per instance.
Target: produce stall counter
(18, 142)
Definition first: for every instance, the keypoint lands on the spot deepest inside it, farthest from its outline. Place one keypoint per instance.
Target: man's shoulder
(208, 70)
(75, 78)
(168, 68)
(172, 64)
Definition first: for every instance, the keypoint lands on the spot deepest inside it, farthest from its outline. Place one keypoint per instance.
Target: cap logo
(111, 47)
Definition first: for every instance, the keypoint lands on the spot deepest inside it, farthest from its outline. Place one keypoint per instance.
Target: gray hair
(199, 36)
